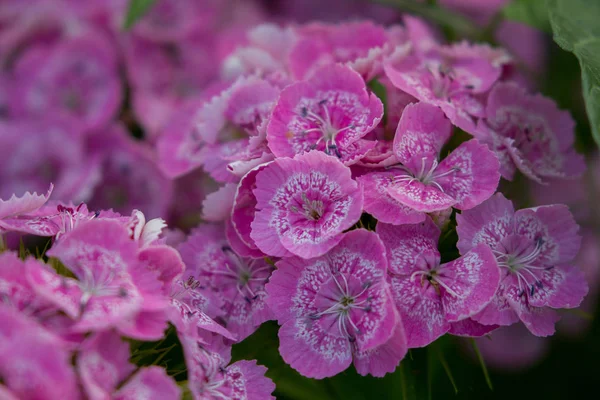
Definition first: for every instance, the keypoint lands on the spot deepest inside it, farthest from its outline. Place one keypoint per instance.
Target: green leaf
(137, 9)
(576, 29)
(530, 12)
(484, 369)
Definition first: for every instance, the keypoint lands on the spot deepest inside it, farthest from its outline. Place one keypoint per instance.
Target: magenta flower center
(519, 256)
(433, 279)
(323, 123)
(340, 301)
(427, 174)
(246, 277)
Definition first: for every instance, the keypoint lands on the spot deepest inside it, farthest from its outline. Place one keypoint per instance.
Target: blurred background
(85, 94)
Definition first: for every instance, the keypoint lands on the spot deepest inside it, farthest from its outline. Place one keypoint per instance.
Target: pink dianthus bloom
(33, 360)
(209, 376)
(238, 283)
(529, 133)
(452, 78)
(226, 130)
(420, 183)
(304, 204)
(76, 79)
(432, 296)
(336, 308)
(105, 262)
(103, 364)
(534, 248)
(331, 111)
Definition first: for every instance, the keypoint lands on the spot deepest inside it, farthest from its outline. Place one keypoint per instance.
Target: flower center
(445, 85)
(325, 126)
(247, 277)
(350, 298)
(433, 278)
(519, 262)
(313, 210)
(426, 175)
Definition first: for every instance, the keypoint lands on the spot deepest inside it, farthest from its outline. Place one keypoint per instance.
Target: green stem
(482, 363)
(461, 25)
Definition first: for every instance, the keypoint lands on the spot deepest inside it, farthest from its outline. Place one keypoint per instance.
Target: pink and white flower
(303, 205)
(420, 183)
(331, 111)
(534, 248)
(336, 308)
(429, 295)
(529, 133)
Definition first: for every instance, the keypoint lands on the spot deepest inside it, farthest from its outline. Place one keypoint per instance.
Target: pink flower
(44, 151)
(331, 111)
(534, 248)
(33, 360)
(335, 308)
(130, 176)
(105, 262)
(166, 76)
(209, 376)
(52, 219)
(103, 365)
(321, 44)
(529, 133)
(76, 79)
(303, 205)
(225, 131)
(421, 183)
(265, 53)
(429, 295)
(448, 77)
(18, 293)
(238, 283)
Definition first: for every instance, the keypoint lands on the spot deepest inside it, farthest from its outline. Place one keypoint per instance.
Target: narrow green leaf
(136, 10)
(580, 313)
(576, 29)
(447, 370)
(430, 371)
(482, 363)
(403, 382)
(530, 12)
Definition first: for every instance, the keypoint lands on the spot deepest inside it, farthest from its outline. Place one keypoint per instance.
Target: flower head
(33, 359)
(237, 282)
(76, 79)
(210, 377)
(529, 133)
(331, 112)
(534, 248)
(429, 295)
(333, 307)
(101, 256)
(303, 205)
(422, 183)
(450, 78)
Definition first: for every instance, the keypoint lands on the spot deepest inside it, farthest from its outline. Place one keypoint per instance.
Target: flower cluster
(324, 164)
